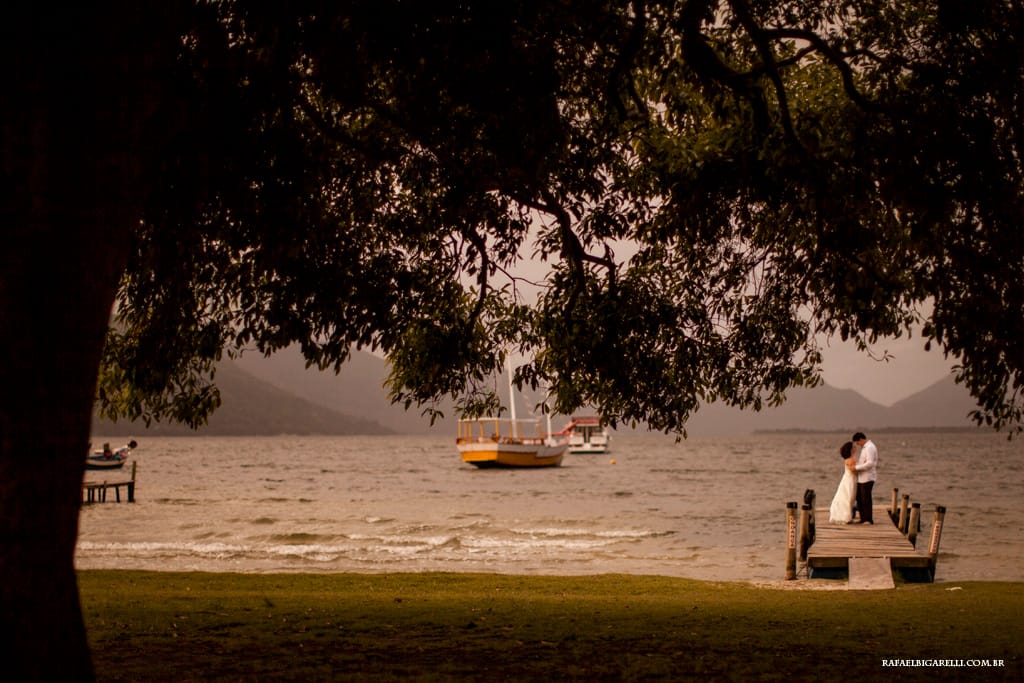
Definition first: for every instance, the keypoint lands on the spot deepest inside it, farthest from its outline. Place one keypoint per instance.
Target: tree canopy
(371, 174)
(228, 175)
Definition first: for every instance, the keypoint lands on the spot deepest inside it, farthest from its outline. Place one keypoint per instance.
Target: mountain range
(263, 396)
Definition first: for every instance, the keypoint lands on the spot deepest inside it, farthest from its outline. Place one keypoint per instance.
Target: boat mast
(511, 398)
(547, 412)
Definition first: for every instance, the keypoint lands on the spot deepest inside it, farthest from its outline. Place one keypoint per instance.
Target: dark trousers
(864, 500)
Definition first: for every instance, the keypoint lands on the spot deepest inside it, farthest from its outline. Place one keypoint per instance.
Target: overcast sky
(910, 369)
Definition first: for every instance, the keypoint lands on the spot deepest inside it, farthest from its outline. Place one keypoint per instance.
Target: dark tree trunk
(77, 93)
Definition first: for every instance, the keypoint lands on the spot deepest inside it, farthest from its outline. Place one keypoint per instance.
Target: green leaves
(374, 174)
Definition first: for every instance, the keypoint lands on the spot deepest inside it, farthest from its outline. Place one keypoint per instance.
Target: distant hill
(358, 390)
(278, 395)
(943, 403)
(251, 406)
(823, 408)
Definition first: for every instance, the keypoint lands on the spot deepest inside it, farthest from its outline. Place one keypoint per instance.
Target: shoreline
(968, 429)
(761, 579)
(798, 584)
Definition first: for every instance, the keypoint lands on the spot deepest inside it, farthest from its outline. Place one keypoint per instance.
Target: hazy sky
(910, 369)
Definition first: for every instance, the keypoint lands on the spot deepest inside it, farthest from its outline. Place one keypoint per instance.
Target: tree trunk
(75, 103)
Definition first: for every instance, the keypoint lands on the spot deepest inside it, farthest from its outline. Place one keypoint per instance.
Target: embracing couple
(861, 460)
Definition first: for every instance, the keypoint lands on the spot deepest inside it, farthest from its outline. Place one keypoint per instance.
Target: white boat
(587, 436)
(509, 442)
(108, 459)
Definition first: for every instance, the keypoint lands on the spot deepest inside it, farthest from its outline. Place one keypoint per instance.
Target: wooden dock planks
(865, 553)
(835, 544)
(870, 573)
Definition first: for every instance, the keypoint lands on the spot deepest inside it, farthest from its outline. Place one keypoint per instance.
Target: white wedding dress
(841, 511)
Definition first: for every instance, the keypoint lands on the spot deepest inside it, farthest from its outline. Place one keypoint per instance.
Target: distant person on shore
(841, 510)
(867, 473)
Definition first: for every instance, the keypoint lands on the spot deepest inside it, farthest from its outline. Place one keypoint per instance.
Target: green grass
(156, 626)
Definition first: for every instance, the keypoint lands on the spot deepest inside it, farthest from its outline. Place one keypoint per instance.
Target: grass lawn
(162, 626)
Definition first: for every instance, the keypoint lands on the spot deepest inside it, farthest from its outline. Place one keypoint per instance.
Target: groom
(867, 473)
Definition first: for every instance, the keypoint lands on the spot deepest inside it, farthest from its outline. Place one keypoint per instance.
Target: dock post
(805, 530)
(933, 546)
(791, 540)
(131, 484)
(915, 523)
(810, 497)
(894, 508)
(902, 525)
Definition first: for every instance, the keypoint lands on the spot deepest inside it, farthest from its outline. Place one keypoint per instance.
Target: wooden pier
(868, 554)
(96, 491)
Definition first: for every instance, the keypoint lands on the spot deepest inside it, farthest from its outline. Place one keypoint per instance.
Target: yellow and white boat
(509, 442)
(503, 442)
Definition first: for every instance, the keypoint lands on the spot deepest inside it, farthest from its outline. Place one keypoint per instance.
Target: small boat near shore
(587, 436)
(107, 459)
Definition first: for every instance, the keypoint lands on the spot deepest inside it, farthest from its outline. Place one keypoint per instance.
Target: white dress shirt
(867, 463)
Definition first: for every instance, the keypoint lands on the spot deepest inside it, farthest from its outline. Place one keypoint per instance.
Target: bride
(841, 511)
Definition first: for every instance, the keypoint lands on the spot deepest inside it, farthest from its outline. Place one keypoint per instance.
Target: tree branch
(376, 151)
(756, 32)
(705, 62)
(485, 262)
(622, 70)
(834, 57)
(571, 248)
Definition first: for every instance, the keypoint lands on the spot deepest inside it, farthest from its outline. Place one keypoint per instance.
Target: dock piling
(933, 545)
(810, 498)
(791, 527)
(915, 523)
(805, 530)
(131, 484)
(904, 505)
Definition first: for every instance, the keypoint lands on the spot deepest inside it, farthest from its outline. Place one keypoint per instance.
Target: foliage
(376, 174)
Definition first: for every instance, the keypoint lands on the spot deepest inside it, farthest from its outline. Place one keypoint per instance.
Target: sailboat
(509, 442)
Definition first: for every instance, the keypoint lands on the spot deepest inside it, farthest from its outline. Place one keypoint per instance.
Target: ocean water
(705, 508)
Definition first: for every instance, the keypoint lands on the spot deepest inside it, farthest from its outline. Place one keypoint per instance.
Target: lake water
(706, 507)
